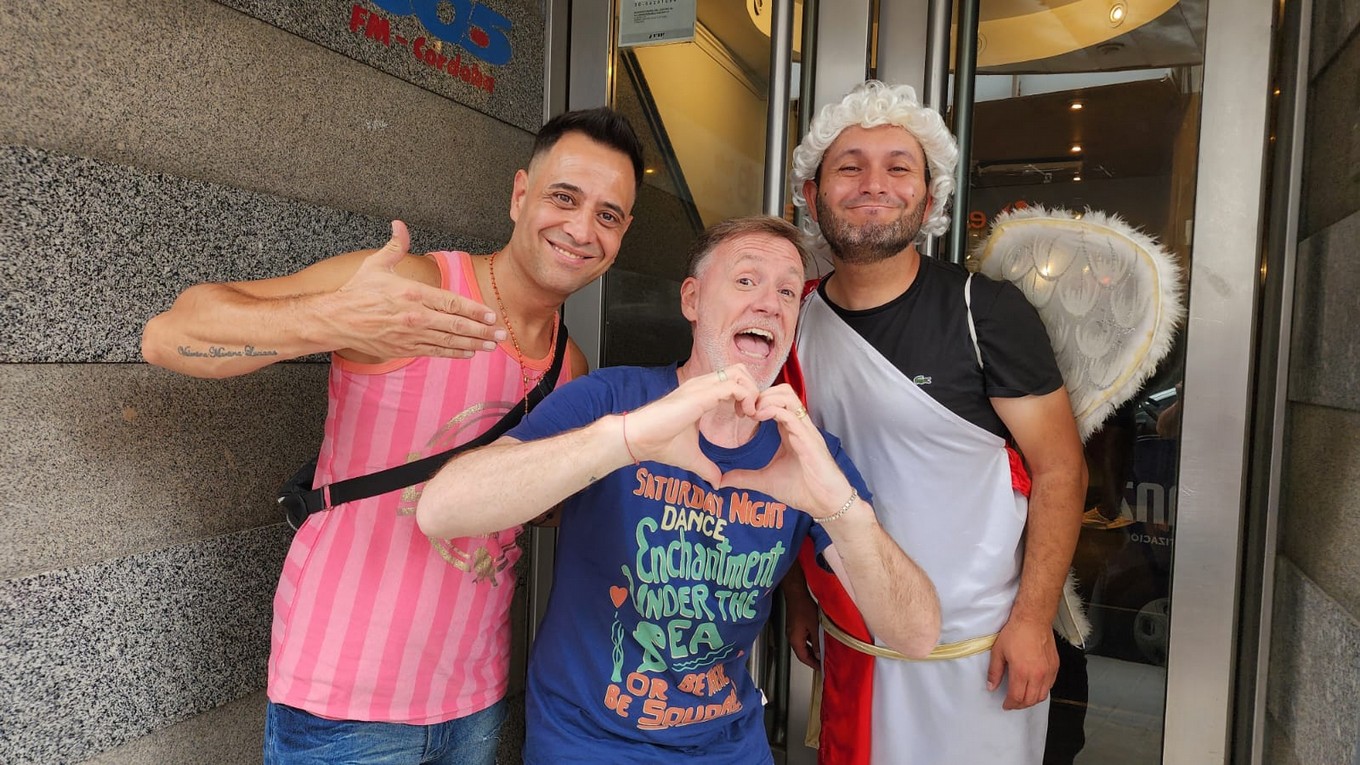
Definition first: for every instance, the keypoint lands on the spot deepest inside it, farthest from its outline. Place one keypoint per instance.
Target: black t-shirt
(924, 333)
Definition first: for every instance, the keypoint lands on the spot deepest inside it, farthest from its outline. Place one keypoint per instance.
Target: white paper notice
(652, 22)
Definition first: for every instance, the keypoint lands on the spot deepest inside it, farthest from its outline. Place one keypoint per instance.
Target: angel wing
(1110, 297)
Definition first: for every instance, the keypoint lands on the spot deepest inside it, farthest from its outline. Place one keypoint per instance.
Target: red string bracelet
(623, 425)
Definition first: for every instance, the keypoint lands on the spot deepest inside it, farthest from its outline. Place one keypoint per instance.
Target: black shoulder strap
(411, 473)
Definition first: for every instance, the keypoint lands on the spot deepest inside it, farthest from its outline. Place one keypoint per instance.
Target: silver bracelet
(854, 495)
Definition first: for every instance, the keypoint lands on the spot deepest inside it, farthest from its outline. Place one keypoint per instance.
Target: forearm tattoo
(219, 352)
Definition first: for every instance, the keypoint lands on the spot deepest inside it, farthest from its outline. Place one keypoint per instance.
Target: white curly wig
(871, 104)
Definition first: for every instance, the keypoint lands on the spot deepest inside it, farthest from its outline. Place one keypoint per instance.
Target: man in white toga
(945, 391)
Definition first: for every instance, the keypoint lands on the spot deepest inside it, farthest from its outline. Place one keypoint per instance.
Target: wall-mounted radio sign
(477, 29)
(653, 22)
(474, 27)
(484, 54)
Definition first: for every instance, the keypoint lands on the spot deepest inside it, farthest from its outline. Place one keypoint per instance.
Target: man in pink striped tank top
(390, 645)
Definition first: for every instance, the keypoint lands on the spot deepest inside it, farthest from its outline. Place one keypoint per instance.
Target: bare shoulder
(579, 366)
(421, 268)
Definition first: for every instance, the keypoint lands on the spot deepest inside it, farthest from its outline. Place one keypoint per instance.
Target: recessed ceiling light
(1077, 106)
(1076, 148)
(1076, 177)
(649, 171)
(1117, 14)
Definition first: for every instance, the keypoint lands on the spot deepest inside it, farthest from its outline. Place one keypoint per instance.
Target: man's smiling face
(743, 304)
(871, 193)
(571, 209)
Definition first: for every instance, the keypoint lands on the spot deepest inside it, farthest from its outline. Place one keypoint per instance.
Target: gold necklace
(526, 380)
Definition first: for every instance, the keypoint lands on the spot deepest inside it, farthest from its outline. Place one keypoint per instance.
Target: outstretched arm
(510, 482)
(381, 304)
(895, 596)
(1047, 436)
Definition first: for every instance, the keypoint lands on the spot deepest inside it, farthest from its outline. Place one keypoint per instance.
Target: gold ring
(722, 375)
(800, 412)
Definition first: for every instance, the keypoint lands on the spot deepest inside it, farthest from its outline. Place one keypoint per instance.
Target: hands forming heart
(802, 474)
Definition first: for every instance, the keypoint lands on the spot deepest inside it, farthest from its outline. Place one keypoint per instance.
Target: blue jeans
(295, 737)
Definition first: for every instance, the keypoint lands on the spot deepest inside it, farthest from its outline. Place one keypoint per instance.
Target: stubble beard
(712, 347)
(870, 242)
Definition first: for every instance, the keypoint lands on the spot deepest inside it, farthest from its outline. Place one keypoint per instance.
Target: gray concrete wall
(146, 146)
(1313, 691)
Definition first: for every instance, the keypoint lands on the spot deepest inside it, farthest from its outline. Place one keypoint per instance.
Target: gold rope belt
(942, 652)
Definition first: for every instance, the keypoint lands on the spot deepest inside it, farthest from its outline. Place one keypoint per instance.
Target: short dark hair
(601, 125)
(734, 227)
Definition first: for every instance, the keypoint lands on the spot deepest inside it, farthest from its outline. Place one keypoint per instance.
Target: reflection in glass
(699, 108)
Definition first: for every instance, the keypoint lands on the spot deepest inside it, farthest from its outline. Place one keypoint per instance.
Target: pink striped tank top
(373, 620)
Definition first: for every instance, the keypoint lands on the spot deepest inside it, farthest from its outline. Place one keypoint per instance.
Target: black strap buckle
(294, 509)
(297, 497)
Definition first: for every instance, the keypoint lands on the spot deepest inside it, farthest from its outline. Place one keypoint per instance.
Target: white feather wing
(1108, 294)
(1111, 299)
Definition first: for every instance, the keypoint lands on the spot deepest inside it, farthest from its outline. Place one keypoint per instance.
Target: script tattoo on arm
(219, 352)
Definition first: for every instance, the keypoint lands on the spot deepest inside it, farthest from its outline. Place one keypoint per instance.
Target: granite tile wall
(147, 146)
(1334, 21)
(1313, 688)
(93, 249)
(1325, 347)
(102, 461)
(231, 733)
(1313, 691)
(193, 89)
(1331, 181)
(1320, 516)
(101, 652)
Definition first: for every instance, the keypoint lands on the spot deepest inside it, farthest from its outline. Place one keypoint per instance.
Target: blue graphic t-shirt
(661, 585)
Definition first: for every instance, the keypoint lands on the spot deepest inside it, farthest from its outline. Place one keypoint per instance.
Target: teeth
(564, 252)
(758, 333)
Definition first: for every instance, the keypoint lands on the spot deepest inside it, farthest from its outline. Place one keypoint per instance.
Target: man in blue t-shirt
(685, 492)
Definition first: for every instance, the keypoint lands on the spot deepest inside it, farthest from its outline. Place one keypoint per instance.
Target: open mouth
(755, 343)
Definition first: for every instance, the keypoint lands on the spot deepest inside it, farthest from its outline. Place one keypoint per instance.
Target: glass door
(1099, 108)
(1098, 112)
(700, 109)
